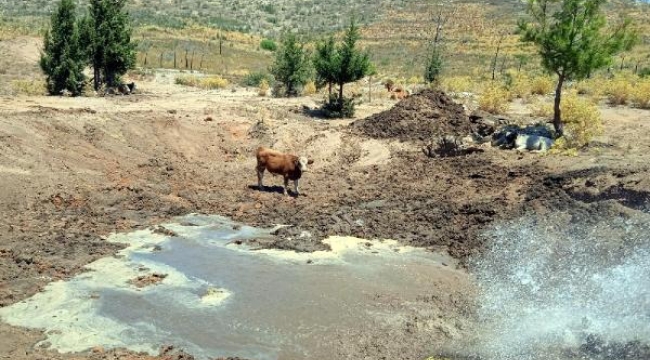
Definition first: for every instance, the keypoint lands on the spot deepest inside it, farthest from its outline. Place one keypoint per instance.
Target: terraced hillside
(258, 16)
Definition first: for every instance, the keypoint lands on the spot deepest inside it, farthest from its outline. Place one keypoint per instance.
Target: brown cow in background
(291, 167)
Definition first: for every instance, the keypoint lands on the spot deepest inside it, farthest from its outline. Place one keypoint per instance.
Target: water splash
(554, 287)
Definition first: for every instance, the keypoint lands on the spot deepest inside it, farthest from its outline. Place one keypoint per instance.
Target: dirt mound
(428, 114)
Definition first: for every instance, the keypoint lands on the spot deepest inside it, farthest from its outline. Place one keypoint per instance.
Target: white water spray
(546, 289)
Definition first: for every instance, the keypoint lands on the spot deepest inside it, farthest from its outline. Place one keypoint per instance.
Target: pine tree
(350, 64)
(291, 66)
(433, 67)
(572, 41)
(324, 62)
(107, 31)
(61, 60)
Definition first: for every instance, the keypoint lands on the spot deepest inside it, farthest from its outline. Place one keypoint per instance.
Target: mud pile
(428, 114)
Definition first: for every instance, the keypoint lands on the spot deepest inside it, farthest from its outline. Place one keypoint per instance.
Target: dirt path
(76, 169)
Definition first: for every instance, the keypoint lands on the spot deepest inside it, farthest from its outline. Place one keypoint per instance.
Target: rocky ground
(76, 169)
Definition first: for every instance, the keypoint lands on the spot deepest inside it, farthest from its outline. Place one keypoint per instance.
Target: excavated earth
(75, 170)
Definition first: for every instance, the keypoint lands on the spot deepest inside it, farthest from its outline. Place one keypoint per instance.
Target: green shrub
(254, 79)
(334, 109)
(29, 87)
(494, 99)
(581, 122)
(645, 72)
(268, 44)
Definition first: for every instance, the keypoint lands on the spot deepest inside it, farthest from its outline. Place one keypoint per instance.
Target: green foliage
(291, 66)
(645, 72)
(255, 79)
(268, 44)
(350, 64)
(62, 60)
(341, 64)
(107, 34)
(572, 41)
(433, 67)
(332, 108)
(324, 62)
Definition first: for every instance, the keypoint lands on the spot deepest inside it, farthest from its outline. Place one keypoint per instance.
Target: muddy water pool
(220, 298)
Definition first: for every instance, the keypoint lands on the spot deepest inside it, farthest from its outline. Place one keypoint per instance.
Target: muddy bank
(72, 177)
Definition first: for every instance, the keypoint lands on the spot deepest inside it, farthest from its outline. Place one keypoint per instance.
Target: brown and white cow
(291, 167)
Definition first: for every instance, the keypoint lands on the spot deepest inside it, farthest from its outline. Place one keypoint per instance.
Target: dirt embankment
(72, 176)
(419, 117)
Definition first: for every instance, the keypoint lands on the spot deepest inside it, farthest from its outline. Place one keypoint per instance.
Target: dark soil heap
(430, 113)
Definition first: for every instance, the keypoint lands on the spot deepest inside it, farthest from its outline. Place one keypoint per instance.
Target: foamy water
(545, 289)
(222, 299)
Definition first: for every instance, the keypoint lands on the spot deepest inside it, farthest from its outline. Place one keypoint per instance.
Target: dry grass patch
(641, 94)
(29, 87)
(213, 82)
(541, 85)
(264, 88)
(619, 91)
(457, 84)
(494, 98)
(309, 89)
(582, 122)
(210, 83)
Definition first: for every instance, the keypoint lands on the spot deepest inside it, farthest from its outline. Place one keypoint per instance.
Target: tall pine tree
(61, 59)
(106, 33)
(291, 66)
(572, 40)
(324, 62)
(350, 64)
(341, 64)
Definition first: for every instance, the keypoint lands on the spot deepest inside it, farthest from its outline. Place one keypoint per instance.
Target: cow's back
(277, 162)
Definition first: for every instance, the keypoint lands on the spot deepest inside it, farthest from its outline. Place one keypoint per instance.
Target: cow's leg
(286, 185)
(296, 183)
(260, 177)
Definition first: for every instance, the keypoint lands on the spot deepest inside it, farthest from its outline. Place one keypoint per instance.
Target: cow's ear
(310, 161)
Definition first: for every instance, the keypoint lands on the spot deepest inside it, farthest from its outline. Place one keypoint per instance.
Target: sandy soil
(74, 170)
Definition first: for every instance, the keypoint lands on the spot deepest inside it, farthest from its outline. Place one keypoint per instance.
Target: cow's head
(302, 163)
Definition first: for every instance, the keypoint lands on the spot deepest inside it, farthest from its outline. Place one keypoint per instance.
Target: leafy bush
(581, 122)
(457, 84)
(494, 99)
(309, 89)
(541, 109)
(641, 94)
(619, 91)
(264, 88)
(645, 72)
(268, 44)
(255, 79)
(29, 87)
(518, 84)
(333, 109)
(594, 86)
(541, 85)
(187, 80)
(213, 82)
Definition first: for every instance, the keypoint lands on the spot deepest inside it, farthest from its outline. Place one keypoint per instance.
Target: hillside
(223, 37)
(264, 17)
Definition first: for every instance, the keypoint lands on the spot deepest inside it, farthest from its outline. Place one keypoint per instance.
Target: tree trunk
(161, 60)
(330, 88)
(96, 77)
(174, 59)
(496, 56)
(557, 112)
(341, 96)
